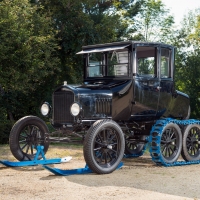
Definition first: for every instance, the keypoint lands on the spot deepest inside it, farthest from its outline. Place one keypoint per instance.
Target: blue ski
(69, 172)
(36, 160)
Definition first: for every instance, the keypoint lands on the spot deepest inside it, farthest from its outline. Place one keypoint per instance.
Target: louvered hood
(96, 100)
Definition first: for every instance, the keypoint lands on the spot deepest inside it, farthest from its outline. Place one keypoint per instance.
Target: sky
(179, 8)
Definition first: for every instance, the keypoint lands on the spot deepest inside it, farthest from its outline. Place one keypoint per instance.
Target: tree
(39, 41)
(28, 60)
(153, 23)
(188, 60)
(85, 22)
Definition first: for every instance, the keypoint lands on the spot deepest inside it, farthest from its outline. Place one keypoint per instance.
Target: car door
(146, 89)
(167, 89)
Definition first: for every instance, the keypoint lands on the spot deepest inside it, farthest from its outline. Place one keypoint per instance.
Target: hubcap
(106, 147)
(169, 143)
(29, 138)
(193, 141)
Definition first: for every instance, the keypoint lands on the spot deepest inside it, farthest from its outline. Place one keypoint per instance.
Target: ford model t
(127, 99)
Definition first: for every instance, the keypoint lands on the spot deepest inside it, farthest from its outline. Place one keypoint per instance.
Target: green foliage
(28, 59)
(27, 44)
(5, 126)
(188, 75)
(39, 41)
(79, 23)
(153, 23)
(188, 60)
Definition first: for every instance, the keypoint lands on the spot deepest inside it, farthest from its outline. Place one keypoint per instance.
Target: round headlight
(45, 109)
(75, 109)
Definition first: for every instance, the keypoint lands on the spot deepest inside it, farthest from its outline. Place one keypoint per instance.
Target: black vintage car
(127, 87)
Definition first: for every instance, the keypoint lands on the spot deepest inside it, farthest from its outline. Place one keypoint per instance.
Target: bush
(5, 127)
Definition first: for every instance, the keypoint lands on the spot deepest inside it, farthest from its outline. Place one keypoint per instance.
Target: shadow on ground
(142, 173)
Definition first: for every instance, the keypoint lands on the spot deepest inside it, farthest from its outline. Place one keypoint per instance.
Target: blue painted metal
(155, 137)
(61, 172)
(45, 162)
(33, 162)
(155, 151)
(69, 172)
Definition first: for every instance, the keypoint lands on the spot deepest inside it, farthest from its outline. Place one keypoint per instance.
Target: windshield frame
(105, 66)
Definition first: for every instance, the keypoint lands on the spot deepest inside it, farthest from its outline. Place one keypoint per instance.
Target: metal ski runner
(44, 161)
(69, 172)
(155, 141)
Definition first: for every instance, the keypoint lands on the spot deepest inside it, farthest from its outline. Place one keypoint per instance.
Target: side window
(118, 62)
(165, 63)
(146, 61)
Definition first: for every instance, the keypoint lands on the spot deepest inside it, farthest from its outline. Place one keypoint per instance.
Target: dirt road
(138, 179)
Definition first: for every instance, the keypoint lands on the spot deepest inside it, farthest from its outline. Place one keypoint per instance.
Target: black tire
(104, 146)
(191, 143)
(171, 143)
(132, 146)
(26, 134)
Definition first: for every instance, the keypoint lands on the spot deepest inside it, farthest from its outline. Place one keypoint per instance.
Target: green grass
(5, 153)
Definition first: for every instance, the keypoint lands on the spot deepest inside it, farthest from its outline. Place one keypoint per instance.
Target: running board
(34, 162)
(68, 172)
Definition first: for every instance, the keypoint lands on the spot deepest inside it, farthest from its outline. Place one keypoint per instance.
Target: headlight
(45, 109)
(75, 109)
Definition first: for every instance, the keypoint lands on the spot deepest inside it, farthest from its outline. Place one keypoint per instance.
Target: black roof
(124, 43)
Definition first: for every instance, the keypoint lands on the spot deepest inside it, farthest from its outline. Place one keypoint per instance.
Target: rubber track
(156, 138)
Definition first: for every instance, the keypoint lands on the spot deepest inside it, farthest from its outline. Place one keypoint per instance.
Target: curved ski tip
(66, 159)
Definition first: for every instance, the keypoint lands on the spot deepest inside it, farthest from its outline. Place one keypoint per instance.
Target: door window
(146, 61)
(165, 63)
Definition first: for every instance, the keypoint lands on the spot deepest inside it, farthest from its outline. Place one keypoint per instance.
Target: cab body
(124, 81)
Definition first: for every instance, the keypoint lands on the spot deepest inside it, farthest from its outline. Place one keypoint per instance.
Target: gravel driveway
(138, 179)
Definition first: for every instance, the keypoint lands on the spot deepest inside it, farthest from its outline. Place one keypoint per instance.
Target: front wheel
(104, 146)
(26, 134)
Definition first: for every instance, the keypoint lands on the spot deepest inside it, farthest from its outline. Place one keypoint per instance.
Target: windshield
(112, 63)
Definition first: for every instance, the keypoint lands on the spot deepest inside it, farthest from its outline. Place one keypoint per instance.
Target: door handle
(159, 88)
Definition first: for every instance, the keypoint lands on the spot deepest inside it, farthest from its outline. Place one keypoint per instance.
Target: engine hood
(100, 88)
(96, 98)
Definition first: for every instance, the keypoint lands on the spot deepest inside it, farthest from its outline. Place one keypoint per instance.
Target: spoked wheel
(171, 143)
(191, 143)
(134, 145)
(104, 146)
(26, 135)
